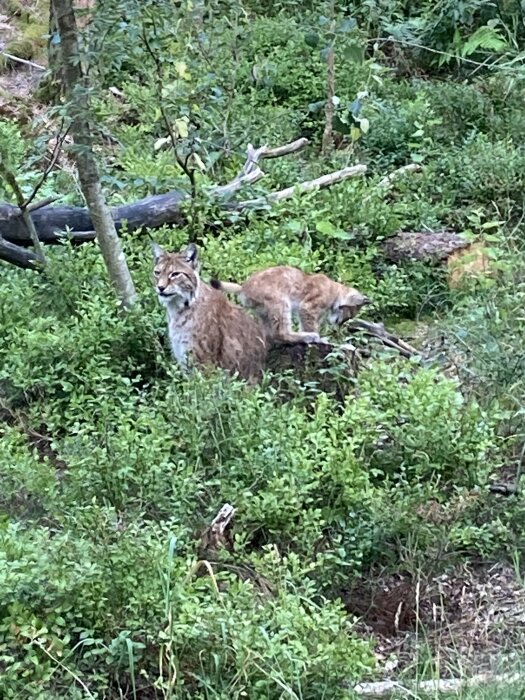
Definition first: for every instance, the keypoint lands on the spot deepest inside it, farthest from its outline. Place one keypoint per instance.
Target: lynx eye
(156, 273)
(175, 274)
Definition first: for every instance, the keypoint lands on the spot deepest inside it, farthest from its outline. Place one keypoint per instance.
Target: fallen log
(309, 363)
(333, 366)
(55, 223)
(460, 256)
(18, 256)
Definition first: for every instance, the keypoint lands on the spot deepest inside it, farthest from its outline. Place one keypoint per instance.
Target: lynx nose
(161, 288)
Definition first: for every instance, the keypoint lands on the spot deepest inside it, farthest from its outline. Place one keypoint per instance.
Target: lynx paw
(312, 338)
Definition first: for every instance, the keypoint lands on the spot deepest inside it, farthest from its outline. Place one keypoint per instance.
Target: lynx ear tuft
(191, 255)
(158, 252)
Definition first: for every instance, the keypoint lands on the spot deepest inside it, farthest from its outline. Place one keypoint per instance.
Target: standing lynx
(204, 327)
(279, 293)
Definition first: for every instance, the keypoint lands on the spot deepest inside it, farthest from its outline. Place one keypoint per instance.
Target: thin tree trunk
(328, 134)
(53, 52)
(328, 138)
(78, 107)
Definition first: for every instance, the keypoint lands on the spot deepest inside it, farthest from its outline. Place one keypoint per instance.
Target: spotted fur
(204, 327)
(277, 294)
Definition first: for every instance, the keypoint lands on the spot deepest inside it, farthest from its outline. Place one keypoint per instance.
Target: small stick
(22, 60)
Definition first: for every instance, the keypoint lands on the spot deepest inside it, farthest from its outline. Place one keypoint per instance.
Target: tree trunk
(329, 107)
(78, 107)
(328, 134)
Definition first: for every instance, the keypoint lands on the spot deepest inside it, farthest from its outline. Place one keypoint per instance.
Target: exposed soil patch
(474, 615)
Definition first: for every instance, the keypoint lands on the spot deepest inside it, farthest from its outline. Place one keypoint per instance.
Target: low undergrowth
(401, 487)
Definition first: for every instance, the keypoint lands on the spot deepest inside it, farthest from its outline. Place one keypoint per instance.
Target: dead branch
(285, 150)
(395, 174)
(16, 59)
(151, 212)
(215, 535)
(308, 186)
(381, 689)
(251, 171)
(377, 330)
(504, 489)
(42, 203)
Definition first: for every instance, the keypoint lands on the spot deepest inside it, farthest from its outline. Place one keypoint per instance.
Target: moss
(14, 8)
(21, 48)
(36, 32)
(27, 45)
(48, 90)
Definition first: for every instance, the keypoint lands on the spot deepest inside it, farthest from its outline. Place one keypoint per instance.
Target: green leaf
(328, 229)
(196, 159)
(294, 226)
(355, 107)
(314, 107)
(348, 25)
(182, 70)
(364, 125)
(181, 127)
(325, 227)
(354, 53)
(487, 38)
(311, 39)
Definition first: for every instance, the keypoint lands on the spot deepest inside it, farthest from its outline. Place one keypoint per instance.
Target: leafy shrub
(412, 413)
(50, 610)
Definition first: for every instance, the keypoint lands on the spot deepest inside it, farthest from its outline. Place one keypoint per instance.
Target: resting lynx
(204, 327)
(278, 293)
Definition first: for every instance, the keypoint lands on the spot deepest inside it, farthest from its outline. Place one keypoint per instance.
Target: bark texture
(77, 96)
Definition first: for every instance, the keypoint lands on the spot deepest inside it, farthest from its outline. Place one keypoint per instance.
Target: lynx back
(277, 294)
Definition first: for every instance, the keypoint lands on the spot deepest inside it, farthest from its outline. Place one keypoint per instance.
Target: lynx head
(176, 276)
(348, 306)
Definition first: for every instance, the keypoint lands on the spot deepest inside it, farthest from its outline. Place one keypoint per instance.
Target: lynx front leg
(281, 330)
(309, 323)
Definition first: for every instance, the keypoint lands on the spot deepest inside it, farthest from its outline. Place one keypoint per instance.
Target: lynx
(278, 293)
(204, 327)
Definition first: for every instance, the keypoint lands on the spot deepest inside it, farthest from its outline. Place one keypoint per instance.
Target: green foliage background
(112, 463)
